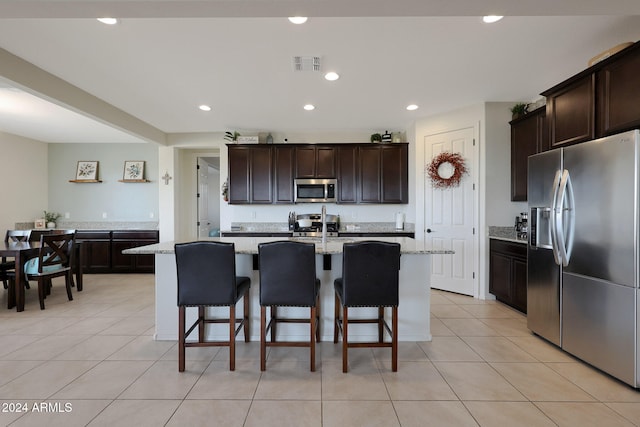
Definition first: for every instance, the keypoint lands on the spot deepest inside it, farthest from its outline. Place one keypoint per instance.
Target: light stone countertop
(95, 225)
(507, 234)
(333, 245)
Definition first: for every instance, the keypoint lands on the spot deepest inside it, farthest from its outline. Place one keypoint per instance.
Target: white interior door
(204, 223)
(450, 215)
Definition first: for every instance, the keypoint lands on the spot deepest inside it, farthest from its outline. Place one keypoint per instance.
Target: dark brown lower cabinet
(508, 273)
(96, 250)
(102, 251)
(121, 240)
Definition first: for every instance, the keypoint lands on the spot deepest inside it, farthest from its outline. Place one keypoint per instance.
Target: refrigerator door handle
(565, 244)
(553, 223)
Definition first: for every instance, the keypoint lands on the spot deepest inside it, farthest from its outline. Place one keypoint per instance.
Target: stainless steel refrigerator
(583, 253)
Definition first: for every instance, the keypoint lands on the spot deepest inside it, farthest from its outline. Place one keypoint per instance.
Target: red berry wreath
(459, 169)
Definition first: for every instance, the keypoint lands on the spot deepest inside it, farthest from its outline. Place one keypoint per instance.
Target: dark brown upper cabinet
(528, 136)
(383, 173)
(366, 173)
(347, 173)
(284, 160)
(619, 95)
(571, 112)
(315, 161)
(250, 174)
(599, 101)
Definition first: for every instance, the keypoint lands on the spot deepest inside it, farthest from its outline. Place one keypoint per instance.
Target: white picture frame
(87, 170)
(133, 170)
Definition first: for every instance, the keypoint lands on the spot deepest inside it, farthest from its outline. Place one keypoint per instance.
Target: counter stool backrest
(288, 272)
(206, 273)
(370, 273)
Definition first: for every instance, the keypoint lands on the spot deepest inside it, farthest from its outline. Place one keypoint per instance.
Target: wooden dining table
(21, 252)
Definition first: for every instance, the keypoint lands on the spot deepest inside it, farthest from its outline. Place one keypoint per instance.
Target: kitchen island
(414, 308)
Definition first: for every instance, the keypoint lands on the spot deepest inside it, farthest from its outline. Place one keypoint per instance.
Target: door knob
(429, 230)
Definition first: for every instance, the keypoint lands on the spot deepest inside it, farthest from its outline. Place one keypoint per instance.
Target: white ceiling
(167, 57)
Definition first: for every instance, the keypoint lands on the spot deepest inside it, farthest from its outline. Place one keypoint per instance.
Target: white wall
(24, 177)
(214, 196)
(500, 210)
(120, 201)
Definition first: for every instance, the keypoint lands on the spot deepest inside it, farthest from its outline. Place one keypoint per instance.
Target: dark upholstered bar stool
(370, 275)
(207, 278)
(288, 278)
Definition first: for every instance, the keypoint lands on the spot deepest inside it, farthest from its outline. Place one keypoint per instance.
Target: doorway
(207, 197)
(450, 216)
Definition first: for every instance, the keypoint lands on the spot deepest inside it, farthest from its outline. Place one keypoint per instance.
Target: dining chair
(288, 279)
(370, 278)
(6, 264)
(207, 278)
(53, 260)
(74, 261)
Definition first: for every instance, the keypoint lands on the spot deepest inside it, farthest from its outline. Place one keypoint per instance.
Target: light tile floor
(93, 362)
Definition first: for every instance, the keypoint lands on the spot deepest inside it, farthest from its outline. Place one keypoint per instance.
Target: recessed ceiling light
(204, 107)
(108, 21)
(298, 19)
(412, 107)
(490, 19)
(331, 76)
(309, 107)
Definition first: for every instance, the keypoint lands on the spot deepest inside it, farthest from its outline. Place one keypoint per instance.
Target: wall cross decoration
(166, 178)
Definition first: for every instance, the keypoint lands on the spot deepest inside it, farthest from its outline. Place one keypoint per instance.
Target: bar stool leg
(336, 318)
(263, 338)
(317, 318)
(232, 338)
(380, 324)
(245, 323)
(181, 338)
(274, 322)
(312, 344)
(394, 340)
(201, 324)
(345, 334)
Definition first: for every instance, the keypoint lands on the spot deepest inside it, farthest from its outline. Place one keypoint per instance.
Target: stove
(311, 232)
(315, 229)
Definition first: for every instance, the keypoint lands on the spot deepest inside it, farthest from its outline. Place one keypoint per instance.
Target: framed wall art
(87, 171)
(133, 171)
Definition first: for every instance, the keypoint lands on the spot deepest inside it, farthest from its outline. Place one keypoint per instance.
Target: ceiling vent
(306, 63)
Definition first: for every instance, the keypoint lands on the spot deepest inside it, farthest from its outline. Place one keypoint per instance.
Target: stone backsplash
(368, 227)
(95, 225)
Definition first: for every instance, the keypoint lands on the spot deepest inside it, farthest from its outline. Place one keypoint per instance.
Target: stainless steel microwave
(315, 190)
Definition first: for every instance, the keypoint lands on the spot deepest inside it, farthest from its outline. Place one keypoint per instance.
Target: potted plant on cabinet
(376, 137)
(520, 109)
(232, 136)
